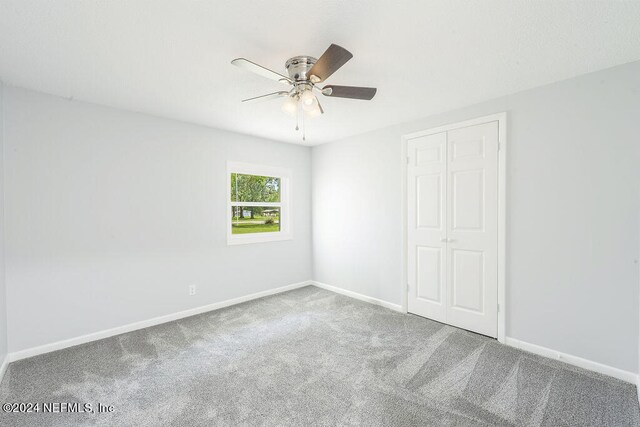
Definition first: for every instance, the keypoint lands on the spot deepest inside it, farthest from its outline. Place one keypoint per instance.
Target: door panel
(426, 212)
(452, 185)
(472, 218)
(426, 155)
(430, 206)
(467, 148)
(430, 275)
(468, 280)
(468, 203)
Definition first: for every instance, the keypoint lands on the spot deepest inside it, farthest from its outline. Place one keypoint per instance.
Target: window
(258, 204)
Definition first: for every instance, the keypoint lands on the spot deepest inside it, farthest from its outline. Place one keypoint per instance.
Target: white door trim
(501, 118)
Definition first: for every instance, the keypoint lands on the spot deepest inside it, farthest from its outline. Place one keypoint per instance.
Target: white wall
(110, 215)
(573, 209)
(3, 291)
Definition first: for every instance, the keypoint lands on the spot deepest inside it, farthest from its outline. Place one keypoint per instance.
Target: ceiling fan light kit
(305, 72)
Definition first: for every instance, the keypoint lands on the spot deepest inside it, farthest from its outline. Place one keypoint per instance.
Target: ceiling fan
(305, 72)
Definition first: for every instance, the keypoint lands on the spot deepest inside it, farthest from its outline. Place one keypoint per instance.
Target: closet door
(427, 229)
(472, 228)
(452, 227)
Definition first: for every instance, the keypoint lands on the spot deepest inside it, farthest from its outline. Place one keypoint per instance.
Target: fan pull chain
(297, 115)
(304, 137)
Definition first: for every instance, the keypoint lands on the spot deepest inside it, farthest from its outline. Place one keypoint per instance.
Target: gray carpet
(311, 357)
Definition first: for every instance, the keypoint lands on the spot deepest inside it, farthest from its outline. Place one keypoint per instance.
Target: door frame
(501, 118)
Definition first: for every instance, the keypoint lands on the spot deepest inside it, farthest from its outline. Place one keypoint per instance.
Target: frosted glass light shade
(315, 112)
(290, 106)
(309, 101)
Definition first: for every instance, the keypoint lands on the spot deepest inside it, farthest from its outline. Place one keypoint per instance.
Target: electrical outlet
(192, 289)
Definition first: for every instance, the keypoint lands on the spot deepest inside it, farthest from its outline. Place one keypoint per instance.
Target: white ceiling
(172, 58)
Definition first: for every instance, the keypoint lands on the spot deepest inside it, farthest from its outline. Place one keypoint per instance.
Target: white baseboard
(59, 345)
(365, 298)
(3, 367)
(590, 365)
(620, 374)
(533, 348)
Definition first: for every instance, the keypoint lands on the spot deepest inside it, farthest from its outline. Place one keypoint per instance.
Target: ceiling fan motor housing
(299, 66)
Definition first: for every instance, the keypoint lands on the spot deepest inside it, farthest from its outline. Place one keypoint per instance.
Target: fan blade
(352, 92)
(332, 59)
(267, 97)
(260, 70)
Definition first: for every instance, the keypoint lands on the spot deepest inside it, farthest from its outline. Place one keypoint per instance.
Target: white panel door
(427, 229)
(453, 227)
(472, 228)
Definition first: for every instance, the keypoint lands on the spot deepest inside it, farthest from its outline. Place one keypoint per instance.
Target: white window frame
(284, 204)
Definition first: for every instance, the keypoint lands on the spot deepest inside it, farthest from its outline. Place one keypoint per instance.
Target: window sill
(244, 239)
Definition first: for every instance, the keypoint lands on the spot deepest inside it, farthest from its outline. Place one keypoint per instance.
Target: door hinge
(498, 308)
(408, 286)
(499, 145)
(408, 160)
